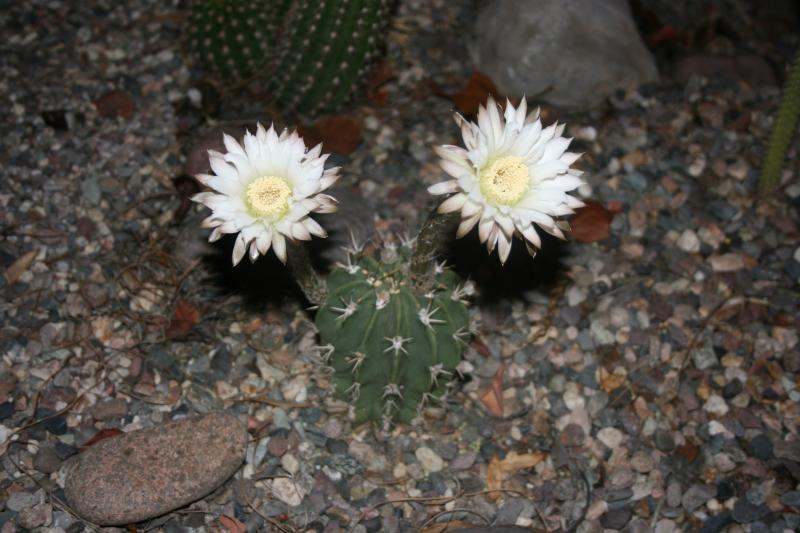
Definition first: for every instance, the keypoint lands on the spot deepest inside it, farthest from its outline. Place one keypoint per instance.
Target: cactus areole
(393, 349)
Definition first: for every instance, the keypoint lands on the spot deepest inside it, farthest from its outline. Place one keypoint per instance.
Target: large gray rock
(146, 473)
(572, 52)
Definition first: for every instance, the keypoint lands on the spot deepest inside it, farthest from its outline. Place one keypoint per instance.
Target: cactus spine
(312, 54)
(783, 131)
(392, 350)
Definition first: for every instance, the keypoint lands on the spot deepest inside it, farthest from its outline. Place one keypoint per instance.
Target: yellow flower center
(505, 181)
(268, 196)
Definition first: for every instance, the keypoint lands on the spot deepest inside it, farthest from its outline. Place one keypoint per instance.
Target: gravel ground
(655, 371)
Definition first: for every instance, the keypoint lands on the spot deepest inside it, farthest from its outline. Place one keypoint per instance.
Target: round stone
(149, 472)
(429, 459)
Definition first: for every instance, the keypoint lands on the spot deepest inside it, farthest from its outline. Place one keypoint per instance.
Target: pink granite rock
(146, 473)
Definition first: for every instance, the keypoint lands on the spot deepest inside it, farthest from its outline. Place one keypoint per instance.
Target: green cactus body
(311, 54)
(327, 52)
(783, 130)
(233, 38)
(392, 350)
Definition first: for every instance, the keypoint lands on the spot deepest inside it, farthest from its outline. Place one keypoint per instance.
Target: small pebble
(689, 241)
(611, 437)
(428, 459)
(716, 405)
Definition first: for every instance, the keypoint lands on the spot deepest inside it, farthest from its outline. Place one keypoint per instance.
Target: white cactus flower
(264, 190)
(512, 174)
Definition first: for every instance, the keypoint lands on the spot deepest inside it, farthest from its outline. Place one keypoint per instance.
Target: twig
(453, 511)
(265, 517)
(432, 500)
(53, 499)
(283, 404)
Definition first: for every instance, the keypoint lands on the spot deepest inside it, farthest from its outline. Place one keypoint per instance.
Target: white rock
(576, 295)
(429, 459)
(716, 405)
(573, 399)
(555, 49)
(611, 437)
(400, 471)
(288, 491)
(665, 525)
(723, 462)
(290, 463)
(727, 262)
(797, 254)
(689, 241)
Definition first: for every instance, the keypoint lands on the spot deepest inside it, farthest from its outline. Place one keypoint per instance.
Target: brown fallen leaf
(494, 478)
(514, 461)
(115, 103)
(19, 266)
(591, 223)
(492, 399)
(610, 382)
(231, 524)
(184, 319)
(480, 346)
(477, 90)
(498, 470)
(381, 74)
(338, 133)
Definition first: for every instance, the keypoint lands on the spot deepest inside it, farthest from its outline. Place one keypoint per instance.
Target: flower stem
(434, 233)
(304, 274)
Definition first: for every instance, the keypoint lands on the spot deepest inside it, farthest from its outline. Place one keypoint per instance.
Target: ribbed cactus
(393, 350)
(311, 54)
(233, 38)
(783, 131)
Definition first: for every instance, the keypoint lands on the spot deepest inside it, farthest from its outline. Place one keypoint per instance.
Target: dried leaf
(494, 478)
(475, 92)
(381, 74)
(186, 316)
(492, 399)
(252, 326)
(101, 435)
(514, 461)
(19, 266)
(611, 382)
(689, 451)
(339, 133)
(480, 346)
(231, 524)
(591, 223)
(116, 103)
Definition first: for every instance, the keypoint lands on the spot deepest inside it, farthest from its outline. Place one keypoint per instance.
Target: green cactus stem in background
(232, 38)
(328, 49)
(392, 350)
(310, 54)
(783, 131)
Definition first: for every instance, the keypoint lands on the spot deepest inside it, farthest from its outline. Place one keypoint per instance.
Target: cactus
(393, 349)
(783, 131)
(232, 38)
(329, 47)
(312, 54)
